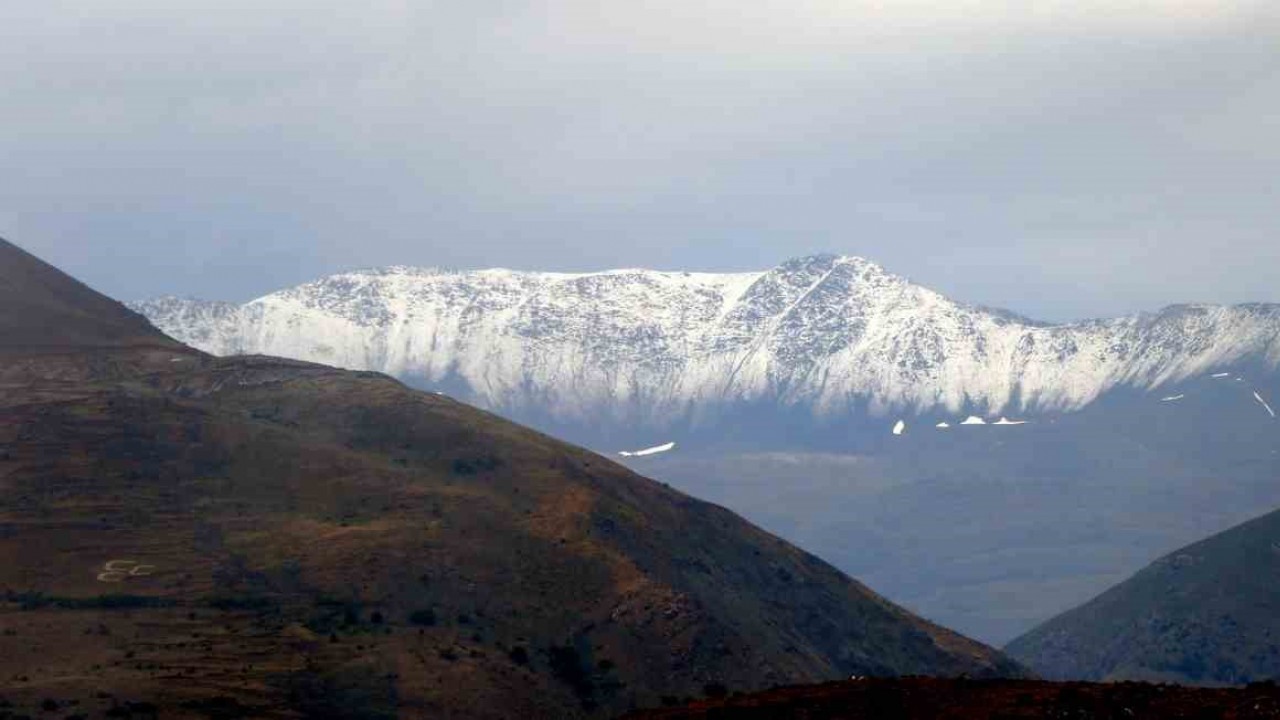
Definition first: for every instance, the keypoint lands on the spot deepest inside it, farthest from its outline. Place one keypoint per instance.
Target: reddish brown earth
(942, 699)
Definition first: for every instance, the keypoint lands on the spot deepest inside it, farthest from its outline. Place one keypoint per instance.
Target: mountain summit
(823, 337)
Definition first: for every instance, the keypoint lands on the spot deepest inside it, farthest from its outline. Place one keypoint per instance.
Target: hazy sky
(1064, 159)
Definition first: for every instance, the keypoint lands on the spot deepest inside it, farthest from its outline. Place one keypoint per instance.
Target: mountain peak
(825, 332)
(44, 308)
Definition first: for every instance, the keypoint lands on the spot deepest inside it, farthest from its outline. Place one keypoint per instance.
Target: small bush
(519, 655)
(425, 618)
(476, 465)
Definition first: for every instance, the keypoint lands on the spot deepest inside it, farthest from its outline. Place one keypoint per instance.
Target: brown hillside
(258, 537)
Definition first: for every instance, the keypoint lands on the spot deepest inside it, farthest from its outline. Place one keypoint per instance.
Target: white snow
(943, 425)
(1007, 421)
(1172, 398)
(649, 451)
(828, 334)
(974, 420)
(1220, 375)
(1264, 403)
(900, 427)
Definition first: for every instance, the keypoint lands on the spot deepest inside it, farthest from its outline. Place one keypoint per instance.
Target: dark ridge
(44, 309)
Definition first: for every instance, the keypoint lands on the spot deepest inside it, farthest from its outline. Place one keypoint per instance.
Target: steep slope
(822, 337)
(273, 538)
(1207, 613)
(43, 309)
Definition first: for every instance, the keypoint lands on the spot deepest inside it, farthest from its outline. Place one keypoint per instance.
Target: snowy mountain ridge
(829, 334)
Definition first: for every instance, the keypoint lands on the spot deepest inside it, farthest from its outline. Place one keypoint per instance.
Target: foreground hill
(1207, 613)
(275, 538)
(936, 699)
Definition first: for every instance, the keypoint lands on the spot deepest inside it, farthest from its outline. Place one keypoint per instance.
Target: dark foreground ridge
(43, 309)
(958, 699)
(191, 536)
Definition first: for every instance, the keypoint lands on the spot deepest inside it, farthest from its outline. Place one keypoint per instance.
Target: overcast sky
(1064, 159)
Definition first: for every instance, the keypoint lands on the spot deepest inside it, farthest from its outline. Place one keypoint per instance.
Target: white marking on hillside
(1172, 398)
(1007, 421)
(1264, 403)
(974, 420)
(114, 571)
(1220, 375)
(943, 425)
(900, 427)
(649, 451)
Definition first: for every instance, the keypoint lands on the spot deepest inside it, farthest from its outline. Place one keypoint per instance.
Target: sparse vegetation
(476, 465)
(37, 600)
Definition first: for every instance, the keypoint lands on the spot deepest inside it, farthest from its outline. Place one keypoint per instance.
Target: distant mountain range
(818, 340)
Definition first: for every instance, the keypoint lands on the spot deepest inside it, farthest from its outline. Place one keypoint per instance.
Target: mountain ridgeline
(805, 351)
(231, 537)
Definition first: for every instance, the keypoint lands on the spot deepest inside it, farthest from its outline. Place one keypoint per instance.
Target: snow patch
(900, 427)
(649, 451)
(943, 425)
(1220, 375)
(1264, 403)
(974, 420)
(1172, 398)
(1007, 421)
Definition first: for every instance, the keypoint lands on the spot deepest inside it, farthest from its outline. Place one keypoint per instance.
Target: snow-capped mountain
(826, 336)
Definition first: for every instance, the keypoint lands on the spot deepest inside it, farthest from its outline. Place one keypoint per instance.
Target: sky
(1062, 159)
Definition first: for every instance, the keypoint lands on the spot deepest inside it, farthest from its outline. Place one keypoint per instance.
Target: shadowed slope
(42, 308)
(1207, 613)
(296, 540)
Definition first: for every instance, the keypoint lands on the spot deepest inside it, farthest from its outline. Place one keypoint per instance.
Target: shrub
(519, 655)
